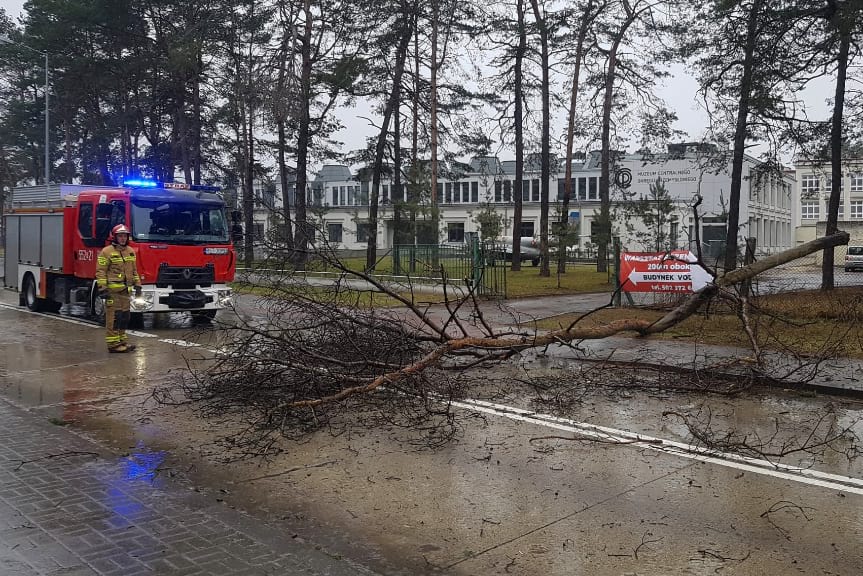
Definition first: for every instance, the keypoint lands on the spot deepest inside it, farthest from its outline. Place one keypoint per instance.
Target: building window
(455, 231)
(258, 231)
(809, 210)
(474, 192)
(830, 185)
(582, 188)
(809, 185)
(334, 233)
(857, 182)
(593, 190)
(536, 190)
(498, 191)
(363, 231)
(527, 229)
(857, 209)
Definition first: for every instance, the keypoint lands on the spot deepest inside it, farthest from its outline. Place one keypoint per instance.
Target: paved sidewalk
(68, 509)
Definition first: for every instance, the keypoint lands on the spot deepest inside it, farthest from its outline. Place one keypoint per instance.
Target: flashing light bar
(137, 183)
(141, 183)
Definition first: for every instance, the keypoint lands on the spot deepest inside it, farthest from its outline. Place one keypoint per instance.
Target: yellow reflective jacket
(116, 268)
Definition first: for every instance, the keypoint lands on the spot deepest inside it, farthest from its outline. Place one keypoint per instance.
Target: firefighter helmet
(118, 229)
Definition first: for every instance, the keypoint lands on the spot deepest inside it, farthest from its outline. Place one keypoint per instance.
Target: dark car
(854, 259)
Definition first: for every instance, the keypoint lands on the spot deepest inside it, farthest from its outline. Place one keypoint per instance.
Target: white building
(813, 193)
(340, 201)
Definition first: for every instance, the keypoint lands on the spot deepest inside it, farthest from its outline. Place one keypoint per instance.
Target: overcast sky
(679, 93)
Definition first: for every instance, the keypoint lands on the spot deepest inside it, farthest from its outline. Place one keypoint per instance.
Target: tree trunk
(287, 234)
(380, 148)
(248, 187)
(412, 196)
(570, 137)
(740, 137)
(196, 120)
(827, 269)
(545, 145)
(518, 120)
(301, 238)
(604, 220)
(434, 126)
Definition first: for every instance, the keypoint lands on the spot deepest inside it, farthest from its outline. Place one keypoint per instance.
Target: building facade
(339, 199)
(812, 195)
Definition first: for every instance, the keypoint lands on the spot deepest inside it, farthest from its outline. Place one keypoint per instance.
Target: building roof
(334, 173)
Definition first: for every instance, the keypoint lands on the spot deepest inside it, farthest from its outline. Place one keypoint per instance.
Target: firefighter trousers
(116, 318)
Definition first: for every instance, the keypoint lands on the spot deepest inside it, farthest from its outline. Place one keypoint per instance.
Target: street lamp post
(4, 39)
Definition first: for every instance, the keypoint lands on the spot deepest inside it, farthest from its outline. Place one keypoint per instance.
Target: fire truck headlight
(224, 298)
(142, 303)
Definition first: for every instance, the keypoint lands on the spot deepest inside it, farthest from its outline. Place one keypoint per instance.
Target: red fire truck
(180, 233)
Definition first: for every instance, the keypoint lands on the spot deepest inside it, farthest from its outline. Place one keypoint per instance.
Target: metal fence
(475, 264)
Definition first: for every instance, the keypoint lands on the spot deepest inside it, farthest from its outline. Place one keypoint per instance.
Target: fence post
(616, 268)
(748, 258)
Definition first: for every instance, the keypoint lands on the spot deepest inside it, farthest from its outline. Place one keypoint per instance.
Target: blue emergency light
(138, 183)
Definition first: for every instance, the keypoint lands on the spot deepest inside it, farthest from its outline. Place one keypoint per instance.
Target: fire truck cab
(180, 234)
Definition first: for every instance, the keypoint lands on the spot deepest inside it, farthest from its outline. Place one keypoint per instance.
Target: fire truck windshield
(178, 222)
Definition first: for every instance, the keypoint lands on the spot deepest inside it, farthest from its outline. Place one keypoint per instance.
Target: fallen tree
(313, 352)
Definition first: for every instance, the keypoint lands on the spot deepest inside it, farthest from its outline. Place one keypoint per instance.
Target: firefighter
(116, 277)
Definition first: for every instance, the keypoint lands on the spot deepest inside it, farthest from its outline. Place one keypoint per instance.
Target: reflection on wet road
(507, 497)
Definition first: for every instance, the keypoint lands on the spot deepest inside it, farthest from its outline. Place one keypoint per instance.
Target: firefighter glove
(137, 292)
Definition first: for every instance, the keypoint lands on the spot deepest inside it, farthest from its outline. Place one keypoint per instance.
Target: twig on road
(59, 455)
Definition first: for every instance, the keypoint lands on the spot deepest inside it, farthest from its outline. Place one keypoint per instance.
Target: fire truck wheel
(31, 300)
(136, 320)
(204, 316)
(97, 305)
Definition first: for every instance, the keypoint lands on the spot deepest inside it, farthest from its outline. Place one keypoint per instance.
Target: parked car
(529, 249)
(854, 259)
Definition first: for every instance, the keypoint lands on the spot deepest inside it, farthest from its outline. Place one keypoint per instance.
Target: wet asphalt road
(492, 502)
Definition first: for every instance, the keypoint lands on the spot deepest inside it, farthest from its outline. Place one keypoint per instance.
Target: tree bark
(604, 219)
(518, 120)
(301, 238)
(380, 147)
(586, 19)
(545, 144)
(749, 63)
(827, 264)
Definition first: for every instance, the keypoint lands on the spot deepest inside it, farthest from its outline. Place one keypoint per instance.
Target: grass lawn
(805, 322)
(525, 283)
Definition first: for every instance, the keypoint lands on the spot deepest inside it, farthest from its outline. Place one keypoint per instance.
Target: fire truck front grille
(178, 276)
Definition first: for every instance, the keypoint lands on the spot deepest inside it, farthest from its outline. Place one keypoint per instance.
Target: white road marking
(763, 467)
(63, 318)
(141, 334)
(182, 343)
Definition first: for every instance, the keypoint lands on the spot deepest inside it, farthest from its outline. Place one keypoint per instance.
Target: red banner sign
(673, 271)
